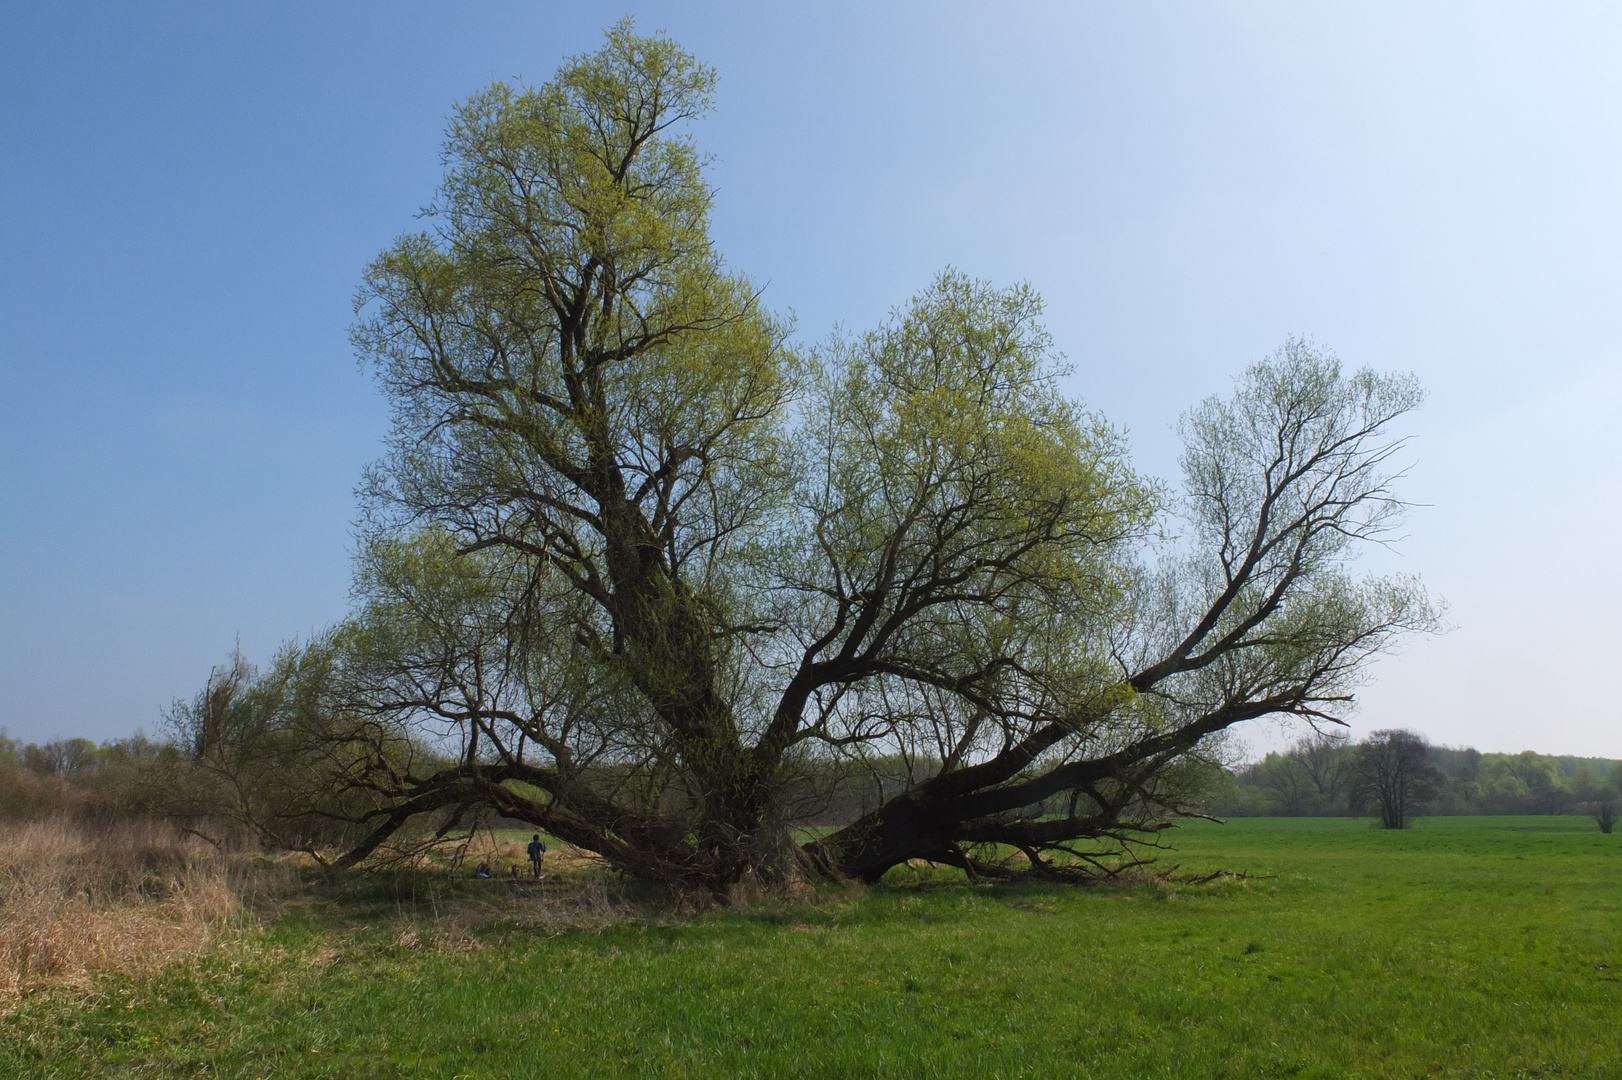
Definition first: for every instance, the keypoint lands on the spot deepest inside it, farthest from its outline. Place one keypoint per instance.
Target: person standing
(537, 851)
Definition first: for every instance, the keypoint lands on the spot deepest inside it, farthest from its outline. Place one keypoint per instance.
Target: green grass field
(1469, 947)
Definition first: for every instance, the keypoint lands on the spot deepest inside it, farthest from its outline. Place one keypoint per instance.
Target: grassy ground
(1470, 947)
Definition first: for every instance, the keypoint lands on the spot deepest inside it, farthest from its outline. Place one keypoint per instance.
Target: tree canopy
(640, 569)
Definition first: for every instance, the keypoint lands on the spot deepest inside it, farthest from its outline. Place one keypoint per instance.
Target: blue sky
(189, 192)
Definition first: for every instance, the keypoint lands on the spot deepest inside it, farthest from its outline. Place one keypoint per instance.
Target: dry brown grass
(577, 893)
(508, 855)
(469, 923)
(78, 898)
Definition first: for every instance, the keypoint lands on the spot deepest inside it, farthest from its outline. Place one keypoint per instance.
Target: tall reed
(77, 898)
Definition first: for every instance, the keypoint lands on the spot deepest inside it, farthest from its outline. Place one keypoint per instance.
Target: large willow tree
(639, 571)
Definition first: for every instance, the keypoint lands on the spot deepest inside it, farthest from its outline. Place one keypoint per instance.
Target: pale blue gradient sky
(188, 194)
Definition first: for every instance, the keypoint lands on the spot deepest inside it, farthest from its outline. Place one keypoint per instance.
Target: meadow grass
(1469, 947)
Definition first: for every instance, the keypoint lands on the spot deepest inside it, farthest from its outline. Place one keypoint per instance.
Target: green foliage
(641, 572)
(76, 777)
(1467, 782)
(634, 551)
(266, 755)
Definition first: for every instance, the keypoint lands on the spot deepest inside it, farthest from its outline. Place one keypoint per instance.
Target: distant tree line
(79, 778)
(229, 760)
(1322, 775)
